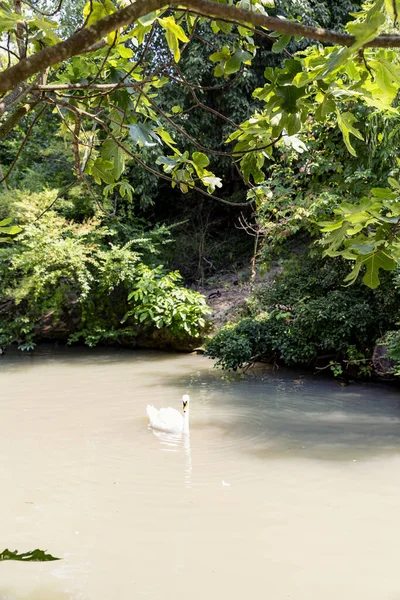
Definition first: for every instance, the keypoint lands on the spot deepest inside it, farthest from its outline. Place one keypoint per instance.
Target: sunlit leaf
(345, 122)
(174, 32)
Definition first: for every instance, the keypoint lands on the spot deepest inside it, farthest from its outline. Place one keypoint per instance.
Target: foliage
(306, 315)
(157, 300)
(304, 189)
(392, 343)
(73, 273)
(33, 556)
(366, 233)
(119, 109)
(235, 345)
(8, 230)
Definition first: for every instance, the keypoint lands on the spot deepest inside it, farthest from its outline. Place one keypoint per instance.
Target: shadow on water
(71, 356)
(283, 414)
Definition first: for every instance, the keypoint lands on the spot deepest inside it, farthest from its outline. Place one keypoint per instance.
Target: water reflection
(176, 442)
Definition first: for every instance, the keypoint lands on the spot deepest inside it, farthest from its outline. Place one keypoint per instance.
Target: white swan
(169, 419)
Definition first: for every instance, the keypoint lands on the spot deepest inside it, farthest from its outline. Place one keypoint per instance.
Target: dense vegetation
(307, 317)
(186, 145)
(72, 280)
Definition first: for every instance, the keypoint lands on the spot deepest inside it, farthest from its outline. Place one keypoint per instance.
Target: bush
(235, 345)
(307, 315)
(73, 274)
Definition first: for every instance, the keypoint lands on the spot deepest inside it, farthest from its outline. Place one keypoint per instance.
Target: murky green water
(286, 489)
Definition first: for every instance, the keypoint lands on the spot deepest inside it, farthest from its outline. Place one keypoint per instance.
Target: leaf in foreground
(33, 556)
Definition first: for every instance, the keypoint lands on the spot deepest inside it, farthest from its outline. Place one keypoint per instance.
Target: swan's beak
(185, 402)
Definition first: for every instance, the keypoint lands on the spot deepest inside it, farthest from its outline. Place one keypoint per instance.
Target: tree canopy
(107, 81)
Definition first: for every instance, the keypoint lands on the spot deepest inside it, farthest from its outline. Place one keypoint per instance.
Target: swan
(169, 419)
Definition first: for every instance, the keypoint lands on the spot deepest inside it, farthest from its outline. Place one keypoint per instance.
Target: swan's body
(169, 419)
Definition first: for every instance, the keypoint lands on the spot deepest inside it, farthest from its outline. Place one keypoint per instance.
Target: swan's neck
(186, 421)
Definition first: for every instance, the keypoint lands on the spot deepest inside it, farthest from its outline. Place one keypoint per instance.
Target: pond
(286, 489)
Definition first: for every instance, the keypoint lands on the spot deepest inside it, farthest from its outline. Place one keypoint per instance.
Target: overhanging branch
(88, 37)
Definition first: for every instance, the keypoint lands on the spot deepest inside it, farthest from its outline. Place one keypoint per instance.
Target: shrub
(306, 315)
(73, 273)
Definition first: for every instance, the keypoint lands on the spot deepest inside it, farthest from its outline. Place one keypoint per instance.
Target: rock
(59, 326)
(383, 365)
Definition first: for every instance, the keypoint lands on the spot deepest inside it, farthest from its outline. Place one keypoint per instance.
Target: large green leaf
(200, 159)
(281, 44)
(101, 170)
(288, 96)
(174, 32)
(387, 78)
(8, 230)
(143, 134)
(112, 152)
(251, 165)
(8, 20)
(373, 262)
(345, 122)
(232, 65)
(33, 556)
(366, 30)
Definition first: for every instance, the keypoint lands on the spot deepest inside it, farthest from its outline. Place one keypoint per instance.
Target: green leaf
(174, 32)
(113, 153)
(345, 122)
(281, 44)
(12, 230)
(125, 189)
(393, 9)
(200, 159)
(47, 27)
(376, 261)
(101, 171)
(232, 65)
(223, 55)
(393, 182)
(302, 79)
(96, 10)
(176, 109)
(124, 52)
(5, 222)
(33, 556)
(165, 136)
(288, 96)
(143, 134)
(335, 239)
(326, 107)
(169, 162)
(251, 165)
(367, 30)
(140, 31)
(225, 27)
(148, 19)
(9, 20)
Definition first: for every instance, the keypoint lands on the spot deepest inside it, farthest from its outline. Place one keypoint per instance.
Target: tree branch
(28, 133)
(16, 117)
(82, 40)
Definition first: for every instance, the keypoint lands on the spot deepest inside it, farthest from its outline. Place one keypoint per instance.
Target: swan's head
(185, 402)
